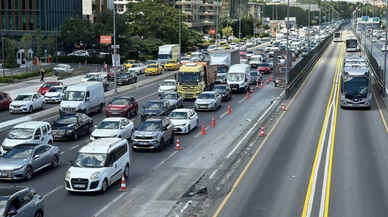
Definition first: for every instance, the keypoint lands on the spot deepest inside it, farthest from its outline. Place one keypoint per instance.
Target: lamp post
(385, 53)
(287, 49)
(180, 31)
(114, 49)
(239, 19)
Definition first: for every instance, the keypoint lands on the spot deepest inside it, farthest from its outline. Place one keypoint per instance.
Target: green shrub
(24, 75)
(90, 60)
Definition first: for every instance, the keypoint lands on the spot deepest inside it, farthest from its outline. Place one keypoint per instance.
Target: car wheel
(30, 110)
(126, 171)
(38, 214)
(104, 186)
(50, 142)
(197, 123)
(135, 111)
(55, 162)
(188, 129)
(161, 145)
(90, 130)
(172, 139)
(75, 136)
(29, 173)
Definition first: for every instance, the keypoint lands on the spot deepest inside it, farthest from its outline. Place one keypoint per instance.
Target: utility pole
(308, 24)
(320, 18)
(239, 19)
(288, 51)
(385, 53)
(114, 49)
(217, 24)
(180, 31)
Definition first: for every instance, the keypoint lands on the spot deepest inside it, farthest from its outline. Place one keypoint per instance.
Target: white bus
(337, 37)
(352, 44)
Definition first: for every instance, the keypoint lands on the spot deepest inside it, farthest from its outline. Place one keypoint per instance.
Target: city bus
(352, 44)
(356, 87)
(337, 37)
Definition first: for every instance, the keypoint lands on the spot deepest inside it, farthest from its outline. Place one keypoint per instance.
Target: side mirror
(36, 157)
(87, 99)
(71, 163)
(12, 212)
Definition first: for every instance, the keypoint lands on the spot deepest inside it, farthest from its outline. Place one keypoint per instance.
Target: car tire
(30, 110)
(55, 161)
(104, 186)
(172, 139)
(38, 214)
(50, 142)
(197, 123)
(90, 130)
(135, 111)
(126, 172)
(161, 145)
(188, 129)
(75, 136)
(29, 173)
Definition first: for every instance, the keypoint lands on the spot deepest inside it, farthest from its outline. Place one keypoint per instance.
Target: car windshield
(222, 69)
(23, 98)
(189, 77)
(171, 62)
(135, 65)
(109, 125)
(178, 115)
(66, 120)
(152, 66)
(74, 96)
(206, 96)
(19, 152)
(153, 105)
(124, 75)
(169, 96)
(150, 126)
(3, 205)
(357, 86)
(263, 65)
(90, 160)
(120, 101)
(168, 83)
(235, 77)
(254, 73)
(222, 88)
(56, 89)
(20, 133)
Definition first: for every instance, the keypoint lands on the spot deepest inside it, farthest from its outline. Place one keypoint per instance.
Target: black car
(224, 90)
(72, 126)
(19, 201)
(155, 108)
(127, 78)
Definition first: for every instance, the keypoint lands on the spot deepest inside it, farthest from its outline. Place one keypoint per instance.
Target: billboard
(105, 39)
(86, 7)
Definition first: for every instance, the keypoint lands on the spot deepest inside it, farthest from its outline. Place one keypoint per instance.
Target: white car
(167, 86)
(208, 100)
(79, 53)
(119, 127)
(384, 48)
(98, 165)
(139, 68)
(26, 103)
(54, 95)
(93, 75)
(63, 68)
(184, 120)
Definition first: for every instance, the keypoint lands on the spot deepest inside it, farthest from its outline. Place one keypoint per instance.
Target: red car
(122, 106)
(264, 68)
(5, 100)
(47, 85)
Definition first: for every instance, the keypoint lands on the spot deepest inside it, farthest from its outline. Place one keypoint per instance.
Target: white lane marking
(165, 160)
(52, 191)
(103, 209)
(241, 100)
(223, 115)
(74, 147)
(15, 121)
(213, 174)
(249, 131)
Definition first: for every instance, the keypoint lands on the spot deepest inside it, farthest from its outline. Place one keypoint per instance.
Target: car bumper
(89, 186)
(145, 145)
(181, 129)
(18, 110)
(204, 107)
(52, 100)
(345, 104)
(123, 113)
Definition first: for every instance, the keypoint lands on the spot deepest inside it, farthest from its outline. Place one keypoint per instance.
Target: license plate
(234, 88)
(203, 106)
(3, 174)
(79, 186)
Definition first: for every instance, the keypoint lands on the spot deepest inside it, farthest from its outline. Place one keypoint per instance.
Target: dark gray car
(22, 161)
(20, 202)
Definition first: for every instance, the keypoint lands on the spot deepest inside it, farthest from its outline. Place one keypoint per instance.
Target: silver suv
(20, 202)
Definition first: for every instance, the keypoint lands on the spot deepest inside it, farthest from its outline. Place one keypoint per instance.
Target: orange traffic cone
(123, 186)
(284, 107)
(229, 111)
(250, 89)
(257, 84)
(213, 123)
(261, 84)
(262, 131)
(177, 144)
(203, 130)
(247, 95)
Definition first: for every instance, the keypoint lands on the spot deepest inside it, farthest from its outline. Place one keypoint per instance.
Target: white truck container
(222, 60)
(238, 77)
(168, 52)
(84, 98)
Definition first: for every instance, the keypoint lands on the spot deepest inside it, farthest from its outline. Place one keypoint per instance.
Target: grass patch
(24, 75)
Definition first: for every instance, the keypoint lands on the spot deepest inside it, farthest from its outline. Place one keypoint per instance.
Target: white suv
(98, 165)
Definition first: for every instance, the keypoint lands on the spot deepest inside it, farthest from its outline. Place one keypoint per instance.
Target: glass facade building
(18, 16)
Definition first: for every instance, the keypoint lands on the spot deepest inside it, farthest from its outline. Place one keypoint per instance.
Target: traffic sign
(115, 46)
(115, 60)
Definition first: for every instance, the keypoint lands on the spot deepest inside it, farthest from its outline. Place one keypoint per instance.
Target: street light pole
(239, 19)
(217, 24)
(180, 31)
(308, 24)
(287, 49)
(114, 49)
(385, 53)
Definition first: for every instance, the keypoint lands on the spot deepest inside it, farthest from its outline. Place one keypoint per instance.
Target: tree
(10, 52)
(38, 39)
(50, 44)
(227, 31)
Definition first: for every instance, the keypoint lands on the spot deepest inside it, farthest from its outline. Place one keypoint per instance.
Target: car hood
(179, 121)
(10, 164)
(52, 94)
(204, 101)
(146, 133)
(171, 101)
(105, 133)
(117, 107)
(263, 68)
(13, 142)
(163, 88)
(134, 68)
(83, 172)
(17, 103)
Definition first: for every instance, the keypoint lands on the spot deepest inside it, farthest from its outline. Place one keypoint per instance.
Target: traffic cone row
(247, 95)
(177, 144)
(123, 186)
(229, 110)
(213, 122)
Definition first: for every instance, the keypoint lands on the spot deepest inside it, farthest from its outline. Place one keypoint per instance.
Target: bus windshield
(356, 87)
(189, 77)
(351, 43)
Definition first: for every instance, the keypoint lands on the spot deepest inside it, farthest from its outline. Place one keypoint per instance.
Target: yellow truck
(194, 78)
(153, 69)
(171, 65)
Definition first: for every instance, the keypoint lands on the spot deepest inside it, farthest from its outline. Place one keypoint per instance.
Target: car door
(114, 169)
(38, 157)
(81, 124)
(35, 102)
(27, 207)
(45, 135)
(3, 102)
(193, 119)
(124, 130)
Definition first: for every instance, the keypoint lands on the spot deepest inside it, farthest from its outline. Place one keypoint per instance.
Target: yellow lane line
(320, 143)
(244, 171)
(381, 112)
(328, 186)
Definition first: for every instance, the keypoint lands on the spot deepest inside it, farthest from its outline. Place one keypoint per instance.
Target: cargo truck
(221, 60)
(168, 52)
(194, 78)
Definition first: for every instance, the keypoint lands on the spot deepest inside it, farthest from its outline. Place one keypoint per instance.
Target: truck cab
(191, 80)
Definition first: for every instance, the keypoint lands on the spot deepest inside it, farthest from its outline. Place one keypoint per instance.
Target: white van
(238, 77)
(84, 98)
(98, 165)
(31, 132)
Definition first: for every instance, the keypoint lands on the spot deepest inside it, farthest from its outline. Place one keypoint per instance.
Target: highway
(318, 159)
(50, 182)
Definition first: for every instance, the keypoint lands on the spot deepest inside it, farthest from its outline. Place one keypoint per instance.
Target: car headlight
(69, 131)
(18, 168)
(92, 138)
(95, 176)
(68, 175)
